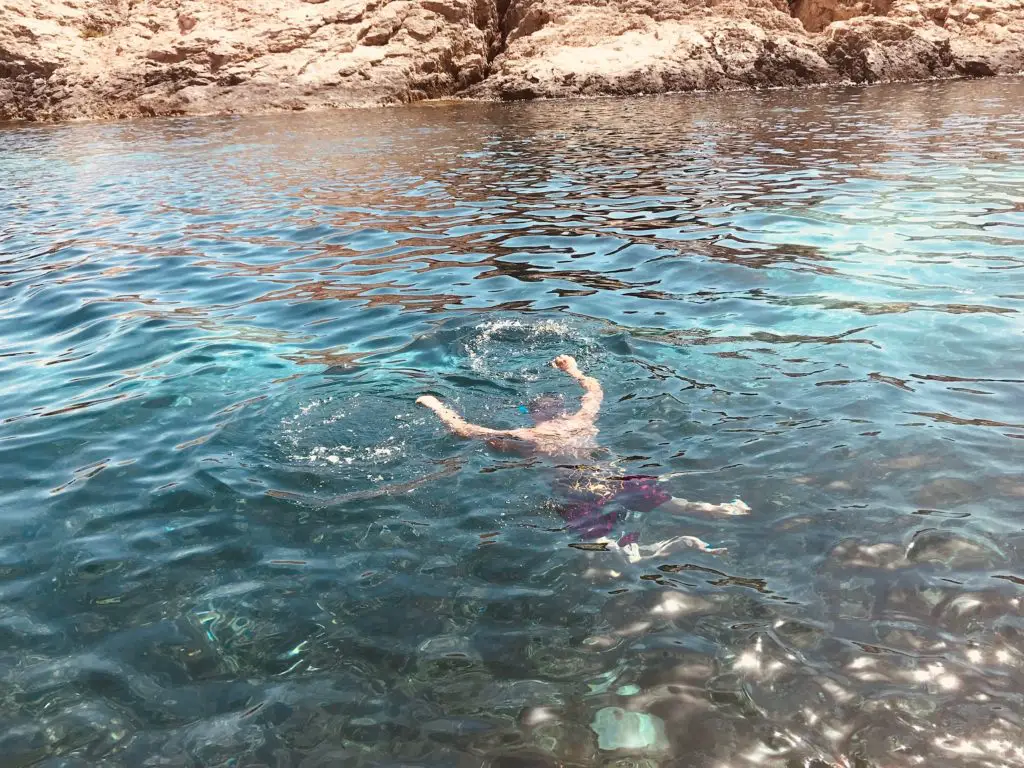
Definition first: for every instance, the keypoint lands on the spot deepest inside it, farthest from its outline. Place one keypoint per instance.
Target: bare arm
(456, 423)
(592, 392)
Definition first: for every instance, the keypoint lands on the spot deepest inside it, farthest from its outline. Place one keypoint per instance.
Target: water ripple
(229, 537)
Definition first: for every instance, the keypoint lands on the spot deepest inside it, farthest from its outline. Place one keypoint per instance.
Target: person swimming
(555, 433)
(591, 488)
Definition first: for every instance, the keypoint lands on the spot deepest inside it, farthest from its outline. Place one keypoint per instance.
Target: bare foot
(661, 548)
(634, 552)
(737, 507)
(703, 546)
(734, 508)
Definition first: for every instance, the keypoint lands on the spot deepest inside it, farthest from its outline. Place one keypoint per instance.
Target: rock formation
(110, 58)
(568, 47)
(64, 59)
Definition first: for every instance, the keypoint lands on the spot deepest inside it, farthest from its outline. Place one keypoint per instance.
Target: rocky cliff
(62, 59)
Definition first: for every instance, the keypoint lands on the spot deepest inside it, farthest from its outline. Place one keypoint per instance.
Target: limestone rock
(560, 47)
(63, 59)
(114, 58)
(569, 47)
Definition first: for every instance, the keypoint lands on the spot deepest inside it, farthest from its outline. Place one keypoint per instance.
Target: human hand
(566, 363)
(429, 401)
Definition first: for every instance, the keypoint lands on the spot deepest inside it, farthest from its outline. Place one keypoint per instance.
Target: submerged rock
(120, 58)
(951, 549)
(617, 728)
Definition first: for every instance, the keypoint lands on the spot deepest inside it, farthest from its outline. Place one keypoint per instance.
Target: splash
(334, 432)
(519, 350)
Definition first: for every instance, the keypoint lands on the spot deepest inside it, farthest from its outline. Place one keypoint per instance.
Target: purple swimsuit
(592, 518)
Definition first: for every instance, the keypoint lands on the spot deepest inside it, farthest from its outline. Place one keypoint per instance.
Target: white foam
(302, 437)
(490, 343)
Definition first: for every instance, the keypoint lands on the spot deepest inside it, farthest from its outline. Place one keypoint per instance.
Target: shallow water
(229, 538)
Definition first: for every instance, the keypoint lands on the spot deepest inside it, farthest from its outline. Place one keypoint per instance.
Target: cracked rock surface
(67, 59)
(570, 47)
(64, 59)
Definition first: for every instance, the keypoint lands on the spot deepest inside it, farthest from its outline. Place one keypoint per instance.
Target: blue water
(228, 536)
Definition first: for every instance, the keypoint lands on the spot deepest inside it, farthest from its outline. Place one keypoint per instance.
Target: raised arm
(456, 423)
(592, 392)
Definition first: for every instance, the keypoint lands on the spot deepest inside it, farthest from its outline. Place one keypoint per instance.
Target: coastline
(118, 59)
(457, 99)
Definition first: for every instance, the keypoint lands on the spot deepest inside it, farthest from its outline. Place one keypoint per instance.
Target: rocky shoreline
(75, 59)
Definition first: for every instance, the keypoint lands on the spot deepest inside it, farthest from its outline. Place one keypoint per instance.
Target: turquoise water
(230, 538)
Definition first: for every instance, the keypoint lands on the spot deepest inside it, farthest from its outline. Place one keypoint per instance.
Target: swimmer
(573, 436)
(559, 435)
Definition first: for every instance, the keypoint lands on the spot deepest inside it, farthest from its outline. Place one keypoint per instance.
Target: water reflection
(230, 539)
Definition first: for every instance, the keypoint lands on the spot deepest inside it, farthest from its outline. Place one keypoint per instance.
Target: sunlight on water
(231, 538)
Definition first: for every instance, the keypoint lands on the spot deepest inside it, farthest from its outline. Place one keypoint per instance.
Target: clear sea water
(228, 537)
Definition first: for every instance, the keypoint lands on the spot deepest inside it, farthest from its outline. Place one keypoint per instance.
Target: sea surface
(229, 537)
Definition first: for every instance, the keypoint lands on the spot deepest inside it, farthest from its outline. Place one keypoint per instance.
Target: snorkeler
(573, 437)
